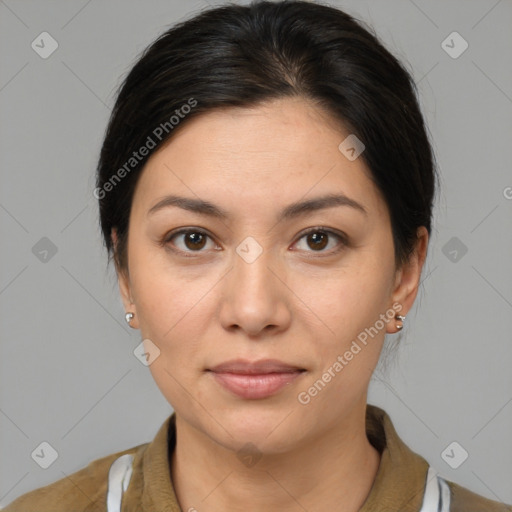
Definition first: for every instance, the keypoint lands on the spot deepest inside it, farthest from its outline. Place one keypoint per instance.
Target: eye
(188, 240)
(318, 238)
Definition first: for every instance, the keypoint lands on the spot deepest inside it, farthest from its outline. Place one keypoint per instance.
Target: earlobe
(126, 296)
(408, 278)
(124, 287)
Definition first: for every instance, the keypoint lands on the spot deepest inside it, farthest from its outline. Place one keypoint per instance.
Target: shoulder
(463, 500)
(404, 473)
(82, 491)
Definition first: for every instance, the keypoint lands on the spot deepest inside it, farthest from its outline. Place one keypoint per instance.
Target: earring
(128, 317)
(400, 318)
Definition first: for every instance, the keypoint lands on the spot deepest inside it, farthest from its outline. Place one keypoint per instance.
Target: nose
(255, 299)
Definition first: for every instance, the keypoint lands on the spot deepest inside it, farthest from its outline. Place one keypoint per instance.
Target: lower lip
(255, 386)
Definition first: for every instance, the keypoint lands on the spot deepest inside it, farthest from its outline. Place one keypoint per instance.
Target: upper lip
(243, 366)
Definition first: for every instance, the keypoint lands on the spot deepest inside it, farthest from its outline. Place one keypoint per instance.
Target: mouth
(255, 380)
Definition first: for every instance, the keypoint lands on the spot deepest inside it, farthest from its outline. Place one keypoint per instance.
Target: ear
(125, 288)
(407, 279)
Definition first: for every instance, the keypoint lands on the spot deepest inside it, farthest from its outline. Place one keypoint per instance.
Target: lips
(263, 366)
(257, 379)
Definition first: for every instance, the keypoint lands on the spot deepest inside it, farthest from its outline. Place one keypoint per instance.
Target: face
(234, 275)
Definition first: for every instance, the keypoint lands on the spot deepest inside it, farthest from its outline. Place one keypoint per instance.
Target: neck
(334, 472)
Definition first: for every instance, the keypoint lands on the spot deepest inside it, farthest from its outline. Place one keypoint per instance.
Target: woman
(265, 188)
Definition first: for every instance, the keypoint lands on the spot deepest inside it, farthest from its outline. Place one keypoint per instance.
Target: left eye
(318, 239)
(193, 240)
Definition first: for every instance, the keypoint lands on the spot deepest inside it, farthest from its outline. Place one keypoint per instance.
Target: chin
(271, 427)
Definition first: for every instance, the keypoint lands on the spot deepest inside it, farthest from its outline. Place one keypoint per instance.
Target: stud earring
(400, 318)
(129, 317)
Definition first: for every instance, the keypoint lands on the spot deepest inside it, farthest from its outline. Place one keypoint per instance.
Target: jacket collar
(402, 474)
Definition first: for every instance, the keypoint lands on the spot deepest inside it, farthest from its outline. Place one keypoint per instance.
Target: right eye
(190, 240)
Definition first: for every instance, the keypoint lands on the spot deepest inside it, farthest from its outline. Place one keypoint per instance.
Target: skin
(295, 303)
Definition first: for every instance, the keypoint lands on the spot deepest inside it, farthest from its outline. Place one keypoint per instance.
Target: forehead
(258, 157)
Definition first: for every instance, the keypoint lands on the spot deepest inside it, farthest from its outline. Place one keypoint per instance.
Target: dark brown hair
(244, 55)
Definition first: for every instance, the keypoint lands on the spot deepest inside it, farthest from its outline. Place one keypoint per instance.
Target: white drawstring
(437, 493)
(118, 479)
(445, 495)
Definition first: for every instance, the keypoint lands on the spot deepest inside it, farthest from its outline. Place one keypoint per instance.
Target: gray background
(68, 373)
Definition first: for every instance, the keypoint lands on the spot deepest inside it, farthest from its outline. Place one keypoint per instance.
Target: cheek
(348, 351)
(349, 300)
(164, 300)
(350, 304)
(173, 316)
(174, 307)
(169, 310)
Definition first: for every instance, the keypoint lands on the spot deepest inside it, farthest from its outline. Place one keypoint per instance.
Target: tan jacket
(138, 480)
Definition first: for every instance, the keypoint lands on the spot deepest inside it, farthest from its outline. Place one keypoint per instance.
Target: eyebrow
(293, 210)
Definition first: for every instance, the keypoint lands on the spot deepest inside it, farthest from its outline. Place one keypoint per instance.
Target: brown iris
(319, 240)
(194, 240)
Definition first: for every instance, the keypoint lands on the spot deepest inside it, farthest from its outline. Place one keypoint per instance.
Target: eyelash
(342, 238)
